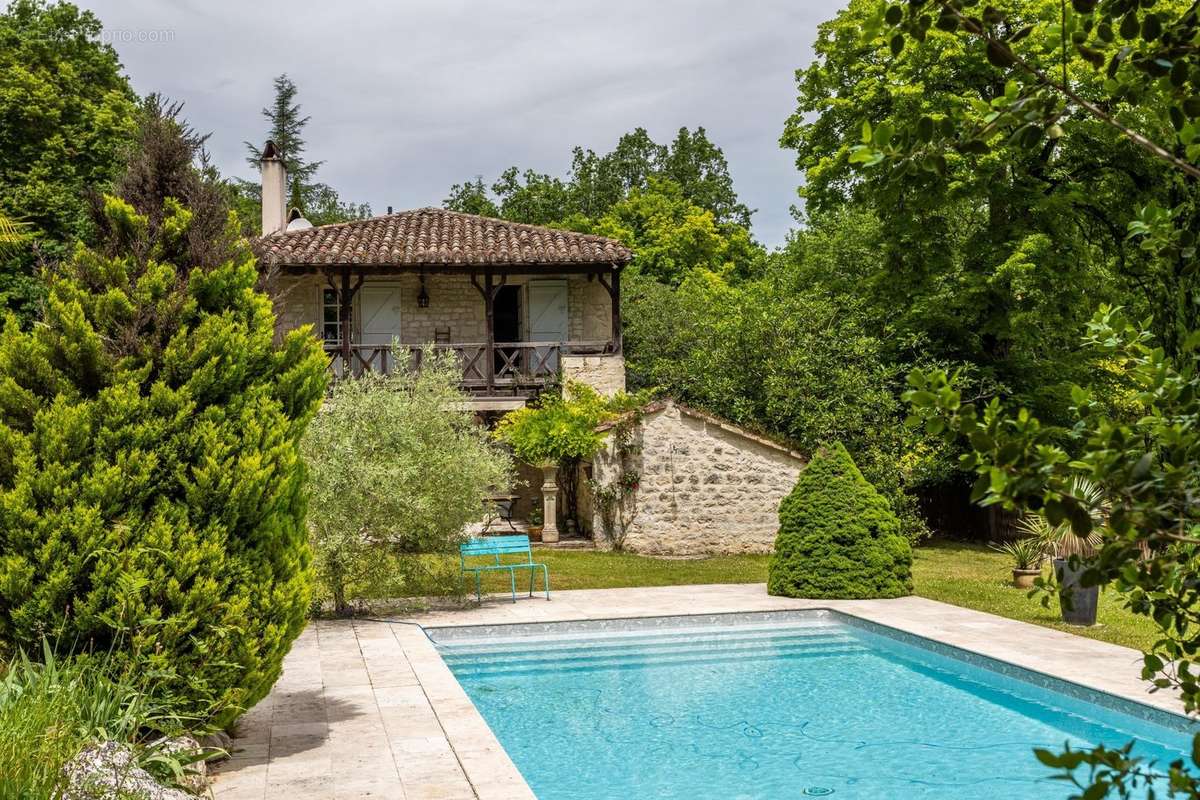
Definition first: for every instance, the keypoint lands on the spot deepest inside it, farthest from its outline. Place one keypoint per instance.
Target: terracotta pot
(535, 533)
(1024, 578)
(1078, 603)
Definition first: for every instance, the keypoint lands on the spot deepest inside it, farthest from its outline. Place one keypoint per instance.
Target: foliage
(150, 484)
(775, 357)
(51, 709)
(318, 202)
(616, 501)
(1060, 541)
(1145, 467)
(561, 426)
(1026, 553)
(837, 536)
(988, 260)
(396, 464)
(671, 236)
(66, 113)
(596, 183)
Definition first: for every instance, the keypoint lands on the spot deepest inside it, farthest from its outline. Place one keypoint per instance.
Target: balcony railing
(517, 368)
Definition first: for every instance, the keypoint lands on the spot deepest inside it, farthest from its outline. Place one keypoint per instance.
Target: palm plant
(1059, 540)
(11, 233)
(1026, 553)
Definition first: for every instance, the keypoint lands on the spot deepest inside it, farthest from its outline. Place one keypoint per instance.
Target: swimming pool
(776, 705)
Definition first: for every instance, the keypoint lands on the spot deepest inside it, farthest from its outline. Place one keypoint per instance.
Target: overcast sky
(410, 96)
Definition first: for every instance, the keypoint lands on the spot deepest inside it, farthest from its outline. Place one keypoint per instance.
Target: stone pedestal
(550, 504)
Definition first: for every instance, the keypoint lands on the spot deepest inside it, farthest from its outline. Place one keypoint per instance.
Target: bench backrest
(496, 546)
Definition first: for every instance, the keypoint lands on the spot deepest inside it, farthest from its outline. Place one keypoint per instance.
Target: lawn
(961, 574)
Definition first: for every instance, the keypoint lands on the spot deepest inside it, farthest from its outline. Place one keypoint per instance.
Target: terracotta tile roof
(434, 236)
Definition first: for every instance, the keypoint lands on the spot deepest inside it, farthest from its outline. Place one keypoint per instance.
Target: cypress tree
(151, 489)
(838, 538)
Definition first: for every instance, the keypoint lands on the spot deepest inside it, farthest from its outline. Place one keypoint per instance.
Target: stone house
(703, 485)
(522, 306)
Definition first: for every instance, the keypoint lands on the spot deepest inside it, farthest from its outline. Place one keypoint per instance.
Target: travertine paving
(368, 709)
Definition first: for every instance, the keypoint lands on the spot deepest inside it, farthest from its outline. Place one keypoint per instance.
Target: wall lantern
(422, 296)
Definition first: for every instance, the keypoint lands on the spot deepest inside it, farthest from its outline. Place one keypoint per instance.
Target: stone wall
(605, 374)
(706, 486)
(453, 303)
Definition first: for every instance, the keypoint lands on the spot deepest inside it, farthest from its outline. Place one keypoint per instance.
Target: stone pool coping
(368, 708)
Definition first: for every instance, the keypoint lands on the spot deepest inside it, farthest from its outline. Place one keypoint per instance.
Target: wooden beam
(346, 307)
(613, 285)
(489, 308)
(542, 270)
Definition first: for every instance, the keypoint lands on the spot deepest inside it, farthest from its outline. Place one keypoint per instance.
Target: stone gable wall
(703, 489)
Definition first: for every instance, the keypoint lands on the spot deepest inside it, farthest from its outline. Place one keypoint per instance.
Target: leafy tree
(151, 492)
(984, 259)
(319, 202)
(837, 536)
(773, 357)
(471, 198)
(672, 236)
(396, 466)
(1123, 73)
(1071, 114)
(66, 114)
(597, 183)
(1145, 465)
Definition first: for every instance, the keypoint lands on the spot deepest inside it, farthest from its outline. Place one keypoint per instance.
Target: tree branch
(1140, 140)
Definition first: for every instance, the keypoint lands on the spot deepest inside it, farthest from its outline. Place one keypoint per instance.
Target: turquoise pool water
(772, 708)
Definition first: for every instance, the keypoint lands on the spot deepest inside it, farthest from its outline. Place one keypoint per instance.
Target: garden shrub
(837, 536)
(397, 466)
(151, 488)
(53, 708)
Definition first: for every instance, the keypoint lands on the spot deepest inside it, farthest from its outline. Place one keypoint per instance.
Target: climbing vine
(616, 501)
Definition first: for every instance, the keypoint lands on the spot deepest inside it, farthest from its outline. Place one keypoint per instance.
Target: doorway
(506, 322)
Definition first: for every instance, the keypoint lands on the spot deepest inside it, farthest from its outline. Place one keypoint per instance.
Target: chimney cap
(270, 151)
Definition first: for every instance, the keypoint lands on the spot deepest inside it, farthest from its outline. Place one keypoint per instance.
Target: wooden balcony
(517, 369)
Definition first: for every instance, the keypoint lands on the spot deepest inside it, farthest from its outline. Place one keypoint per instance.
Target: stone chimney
(274, 190)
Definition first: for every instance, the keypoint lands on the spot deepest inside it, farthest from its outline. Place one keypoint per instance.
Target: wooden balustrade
(516, 367)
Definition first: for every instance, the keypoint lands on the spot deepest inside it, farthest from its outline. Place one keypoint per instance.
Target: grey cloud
(410, 97)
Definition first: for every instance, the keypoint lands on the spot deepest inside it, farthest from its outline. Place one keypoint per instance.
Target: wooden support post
(489, 290)
(613, 285)
(617, 337)
(346, 313)
(346, 299)
(489, 307)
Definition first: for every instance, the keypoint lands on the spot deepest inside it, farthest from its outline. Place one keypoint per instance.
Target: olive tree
(397, 467)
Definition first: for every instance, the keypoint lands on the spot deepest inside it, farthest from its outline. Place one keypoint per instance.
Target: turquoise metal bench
(491, 549)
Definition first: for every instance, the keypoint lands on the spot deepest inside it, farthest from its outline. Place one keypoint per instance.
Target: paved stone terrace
(367, 709)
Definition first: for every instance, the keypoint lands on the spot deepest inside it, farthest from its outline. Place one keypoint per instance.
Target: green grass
(967, 575)
(52, 709)
(973, 576)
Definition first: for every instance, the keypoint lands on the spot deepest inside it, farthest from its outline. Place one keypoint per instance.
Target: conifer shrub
(838, 537)
(151, 488)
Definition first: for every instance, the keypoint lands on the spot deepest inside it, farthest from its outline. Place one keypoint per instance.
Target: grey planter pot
(1078, 603)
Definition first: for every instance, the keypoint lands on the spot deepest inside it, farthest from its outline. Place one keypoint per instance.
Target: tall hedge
(151, 490)
(838, 537)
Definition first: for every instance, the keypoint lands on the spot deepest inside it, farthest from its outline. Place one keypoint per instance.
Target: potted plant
(1027, 554)
(535, 523)
(1070, 553)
